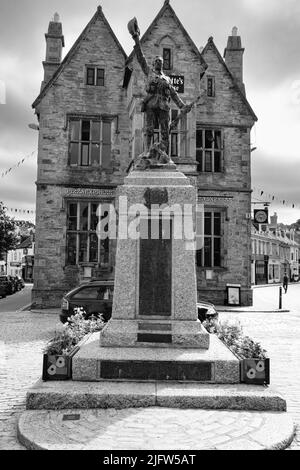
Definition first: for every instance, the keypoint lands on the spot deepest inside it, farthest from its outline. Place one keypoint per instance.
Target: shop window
(83, 244)
(209, 150)
(89, 142)
(210, 255)
(94, 76)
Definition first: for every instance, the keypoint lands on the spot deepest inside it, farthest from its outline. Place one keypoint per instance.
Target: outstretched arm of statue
(134, 30)
(176, 98)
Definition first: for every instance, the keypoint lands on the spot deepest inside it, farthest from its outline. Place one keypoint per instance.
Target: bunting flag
(257, 193)
(4, 173)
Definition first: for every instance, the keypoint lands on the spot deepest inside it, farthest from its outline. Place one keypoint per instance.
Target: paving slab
(154, 428)
(54, 395)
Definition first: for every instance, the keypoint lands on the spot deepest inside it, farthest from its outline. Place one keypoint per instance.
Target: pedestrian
(285, 282)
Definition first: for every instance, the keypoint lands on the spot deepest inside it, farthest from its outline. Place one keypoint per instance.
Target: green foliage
(74, 331)
(8, 237)
(233, 337)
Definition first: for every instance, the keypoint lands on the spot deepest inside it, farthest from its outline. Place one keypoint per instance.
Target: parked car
(9, 283)
(19, 282)
(206, 311)
(2, 289)
(95, 297)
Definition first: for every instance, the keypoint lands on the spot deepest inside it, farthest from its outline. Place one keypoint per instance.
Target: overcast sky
(270, 31)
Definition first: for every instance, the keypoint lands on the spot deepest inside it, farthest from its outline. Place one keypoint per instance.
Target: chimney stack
(54, 44)
(233, 56)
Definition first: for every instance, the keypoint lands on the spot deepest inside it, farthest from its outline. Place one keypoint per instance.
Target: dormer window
(167, 58)
(94, 76)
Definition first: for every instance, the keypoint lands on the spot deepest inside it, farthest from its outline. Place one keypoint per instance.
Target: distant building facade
(20, 262)
(275, 252)
(91, 127)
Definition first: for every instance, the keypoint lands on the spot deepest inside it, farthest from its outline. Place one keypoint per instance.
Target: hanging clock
(261, 216)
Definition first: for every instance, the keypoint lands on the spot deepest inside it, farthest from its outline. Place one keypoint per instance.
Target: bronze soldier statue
(156, 103)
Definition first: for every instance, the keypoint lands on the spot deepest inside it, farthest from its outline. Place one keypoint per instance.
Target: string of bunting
(273, 199)
(5, 173)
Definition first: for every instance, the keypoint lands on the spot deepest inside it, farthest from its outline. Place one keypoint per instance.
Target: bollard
(280, 298)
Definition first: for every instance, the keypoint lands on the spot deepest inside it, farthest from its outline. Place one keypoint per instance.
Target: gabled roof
(167, 6)
(210, 43)
(99, 14)
(27, 243)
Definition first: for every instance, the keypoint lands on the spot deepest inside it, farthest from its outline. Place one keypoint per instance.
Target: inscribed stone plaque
(158, 370)
(156, 271)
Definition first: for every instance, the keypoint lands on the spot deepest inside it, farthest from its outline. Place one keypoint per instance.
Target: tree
(8, 236)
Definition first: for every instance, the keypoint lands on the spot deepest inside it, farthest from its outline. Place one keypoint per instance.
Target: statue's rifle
(182, 113)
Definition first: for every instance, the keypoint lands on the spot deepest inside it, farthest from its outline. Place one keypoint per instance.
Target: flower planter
(58, 367)
(255, 371)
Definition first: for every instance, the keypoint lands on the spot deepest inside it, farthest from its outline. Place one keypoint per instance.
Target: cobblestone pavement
(279, 335)
(23, 335)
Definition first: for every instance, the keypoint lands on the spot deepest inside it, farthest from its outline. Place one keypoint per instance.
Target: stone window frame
(79, 232)
(97, 81)
(210, 86)
(202, 166)
(200, 254)
(101, 143)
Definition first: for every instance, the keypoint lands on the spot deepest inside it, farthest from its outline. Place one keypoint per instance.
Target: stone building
(275, 252)
(91, 126)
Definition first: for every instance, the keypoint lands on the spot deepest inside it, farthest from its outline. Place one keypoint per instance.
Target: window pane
(106, 131)
(218, 140)
(174, 145)
(217, 223)
(94, 217)
(73, 154)
(85, 132)
(74, 130)
(155, 137)
(85, 154)
(208, 161)
(207, 252)
(96, 131)
(95, 154)
(199, 140)
(199, 160)
(90, 76)
(199, 257)
(93, 248)
(217, 168)
(100, 77)
(84, 213)
(71, 248)
(106, 147)
(83, 248)
(207, 223)
(174, 114)
(167, 58)
(217, 251)
(72, 217)
(104, 252)
(209, 139)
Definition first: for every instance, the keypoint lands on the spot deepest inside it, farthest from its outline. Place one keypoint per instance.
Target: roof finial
(234, 31)
(56, 18)
(167, 2)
